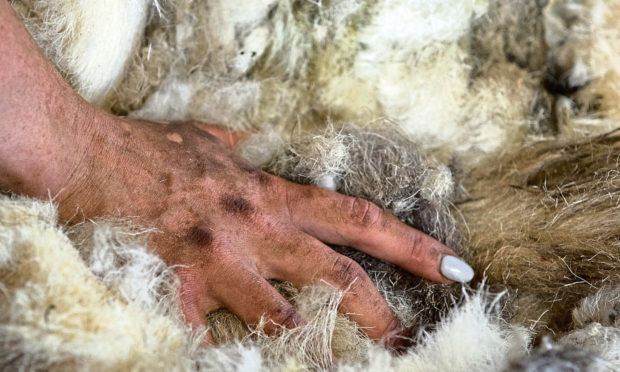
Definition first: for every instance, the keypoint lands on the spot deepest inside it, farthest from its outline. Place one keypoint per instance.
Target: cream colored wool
(461, 75)
(584, 38)
(286, 62)
(90, 42)
(602, 307)
(56, 314)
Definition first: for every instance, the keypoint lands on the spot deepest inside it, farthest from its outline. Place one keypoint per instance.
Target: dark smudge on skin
(200, 236)
(236, 204)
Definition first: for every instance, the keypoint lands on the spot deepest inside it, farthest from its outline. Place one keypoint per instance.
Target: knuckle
(362, 213)
(291, 198)
(415, 246)
(346, 271)
(286, 316)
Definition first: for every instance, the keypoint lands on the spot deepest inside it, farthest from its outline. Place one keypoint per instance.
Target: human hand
(227, 226)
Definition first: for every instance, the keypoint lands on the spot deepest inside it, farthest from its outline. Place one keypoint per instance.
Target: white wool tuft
(89, 41)
(418, 70)
(260, 147)
(169, 102)
(491, 343)
(328, 181)
(403, 27)
(117, 255)
(233, 357)
(438, 185)
(601, 307)
(484, 343)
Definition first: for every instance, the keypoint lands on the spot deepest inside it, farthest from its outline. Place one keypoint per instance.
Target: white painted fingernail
(456, 269)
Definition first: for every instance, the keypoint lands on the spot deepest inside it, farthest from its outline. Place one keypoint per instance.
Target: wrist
(89, 142)
(44, 125)
(42, 148)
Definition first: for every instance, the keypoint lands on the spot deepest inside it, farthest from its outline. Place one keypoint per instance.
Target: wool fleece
(287, 63)
(491, 125)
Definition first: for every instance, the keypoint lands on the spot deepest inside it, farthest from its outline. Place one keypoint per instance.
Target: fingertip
(455, 269)
(396, 337)
(208, 339)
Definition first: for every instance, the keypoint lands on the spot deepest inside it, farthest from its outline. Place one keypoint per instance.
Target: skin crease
(228, 225)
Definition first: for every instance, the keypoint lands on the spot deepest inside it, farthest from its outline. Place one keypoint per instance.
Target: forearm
(38, 112)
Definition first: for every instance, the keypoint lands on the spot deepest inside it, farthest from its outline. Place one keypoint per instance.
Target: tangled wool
(546, 224)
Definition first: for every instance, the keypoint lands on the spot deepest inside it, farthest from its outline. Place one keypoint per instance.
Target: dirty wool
(490, 125)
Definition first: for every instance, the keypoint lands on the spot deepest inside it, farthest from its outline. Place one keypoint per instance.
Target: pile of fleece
(490, 125)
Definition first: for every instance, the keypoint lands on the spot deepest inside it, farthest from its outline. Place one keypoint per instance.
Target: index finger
(338, 219)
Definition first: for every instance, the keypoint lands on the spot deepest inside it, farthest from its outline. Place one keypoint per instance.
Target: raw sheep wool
(490, 125)
(545, 222)
(583, 39)
(56, 314)
(290, 62)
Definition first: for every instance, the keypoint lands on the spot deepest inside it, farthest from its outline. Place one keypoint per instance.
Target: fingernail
(456, 269)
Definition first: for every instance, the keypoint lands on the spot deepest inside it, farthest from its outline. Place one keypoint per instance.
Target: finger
(355, 222)
(249, 296)
(229, 137)
(361, 301)
(196, 306)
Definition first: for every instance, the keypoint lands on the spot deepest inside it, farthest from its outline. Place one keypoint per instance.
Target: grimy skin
(227, 225)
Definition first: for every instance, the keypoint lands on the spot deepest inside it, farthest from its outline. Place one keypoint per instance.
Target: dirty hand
(228, 227)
